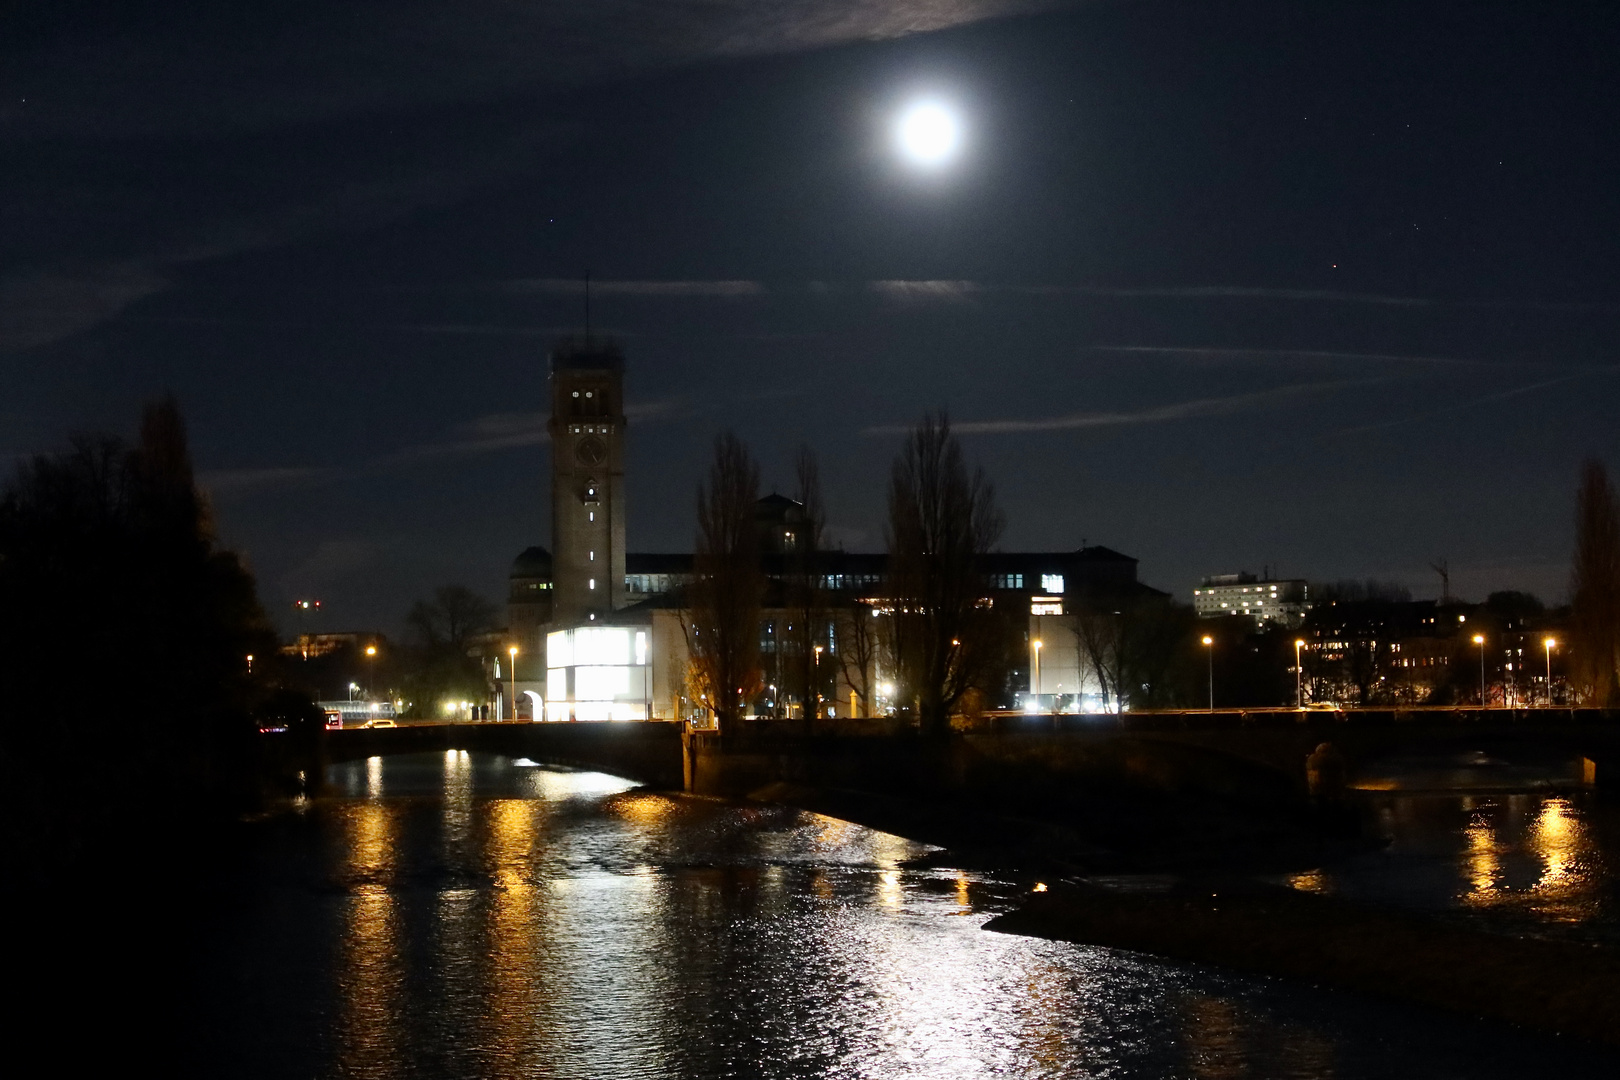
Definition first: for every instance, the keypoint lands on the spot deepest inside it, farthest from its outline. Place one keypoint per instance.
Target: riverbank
(1270, 930)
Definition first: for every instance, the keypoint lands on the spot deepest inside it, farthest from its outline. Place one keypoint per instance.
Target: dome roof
(534, 562)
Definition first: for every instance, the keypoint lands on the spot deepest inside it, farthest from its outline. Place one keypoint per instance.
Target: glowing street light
(1479, 639)
(1548, 643)
(1299, 680)
(1035, 683)
(1209, 644)
(512, 652)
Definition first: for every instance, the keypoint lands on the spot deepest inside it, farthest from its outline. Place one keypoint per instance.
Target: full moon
(929, 133)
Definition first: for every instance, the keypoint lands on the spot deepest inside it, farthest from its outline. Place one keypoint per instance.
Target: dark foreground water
(468, 916)
(1517, 848)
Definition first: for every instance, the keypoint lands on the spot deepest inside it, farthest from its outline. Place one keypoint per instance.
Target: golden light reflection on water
(1483, 861)
(368, 965)
(820, 884)
(890, 895)
(1213, 1036)
(1554, 838)
(637, 936)
(516, 926)
(1225, 1039)
(643, 808)
(457, 795)
(1312, 881)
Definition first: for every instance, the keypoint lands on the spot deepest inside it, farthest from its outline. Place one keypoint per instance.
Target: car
(380, 722)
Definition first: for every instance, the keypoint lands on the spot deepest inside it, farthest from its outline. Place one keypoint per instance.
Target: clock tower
(587, 480)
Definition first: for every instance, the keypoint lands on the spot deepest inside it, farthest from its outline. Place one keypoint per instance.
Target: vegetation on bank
(124, 675)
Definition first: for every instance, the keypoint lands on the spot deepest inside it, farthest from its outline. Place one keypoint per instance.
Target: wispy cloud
(958, 290)
(487, 434)
(361, 57)
(1272, 355)
(576, 287)
(233, 481)
(1233, 292)
(1484, 399)
(912, 291)
(46, 307)
(1181, 410)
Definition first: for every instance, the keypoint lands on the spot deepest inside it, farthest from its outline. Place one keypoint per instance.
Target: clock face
(591, 451)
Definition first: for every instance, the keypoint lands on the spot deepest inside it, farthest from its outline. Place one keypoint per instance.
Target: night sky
(1332, 288)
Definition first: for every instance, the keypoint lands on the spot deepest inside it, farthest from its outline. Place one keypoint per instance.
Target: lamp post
(1479, 639)
(512, 652)
(1299, 678)
(1209, 646)
(371, 671)
(1548, 643)
(807, 701)
(1035, 683)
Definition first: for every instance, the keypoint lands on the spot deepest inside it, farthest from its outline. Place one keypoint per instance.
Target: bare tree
(942, 521)
(1099, 633)
(727, 585)
(449, 621)
(806, 597)
(1594, 589)
(1132, 644)
(858, 641)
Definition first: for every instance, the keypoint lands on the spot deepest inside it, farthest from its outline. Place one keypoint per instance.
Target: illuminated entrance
(598, 673)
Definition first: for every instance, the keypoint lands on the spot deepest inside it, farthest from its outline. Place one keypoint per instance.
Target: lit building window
(1052, 583)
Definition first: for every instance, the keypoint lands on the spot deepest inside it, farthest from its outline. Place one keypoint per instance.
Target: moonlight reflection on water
(455, 915)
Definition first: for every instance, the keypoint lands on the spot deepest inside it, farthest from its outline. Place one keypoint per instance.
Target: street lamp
(371, 675)
(1548, 643)
(512, 652)
(1299, 680)
(1479, 639)
(1209, 644)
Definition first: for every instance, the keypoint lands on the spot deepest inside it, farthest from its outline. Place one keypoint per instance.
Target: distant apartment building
(1261, 599)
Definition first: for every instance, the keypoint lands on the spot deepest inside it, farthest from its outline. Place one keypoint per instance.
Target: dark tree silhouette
(942, 520)
(441, 664)
(727, 584)
(1594, 590)
(123, 643)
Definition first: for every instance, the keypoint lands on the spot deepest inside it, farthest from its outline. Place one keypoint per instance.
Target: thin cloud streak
(1500, 395)
(1182, 410)
(911, 291)
(484, 435)
(576, 287)
(1283, 354)
(1234, 292)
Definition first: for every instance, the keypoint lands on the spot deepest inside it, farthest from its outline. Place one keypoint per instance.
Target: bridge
(1197, 779)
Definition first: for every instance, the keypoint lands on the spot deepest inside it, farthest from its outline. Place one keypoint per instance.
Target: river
(456, 915)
